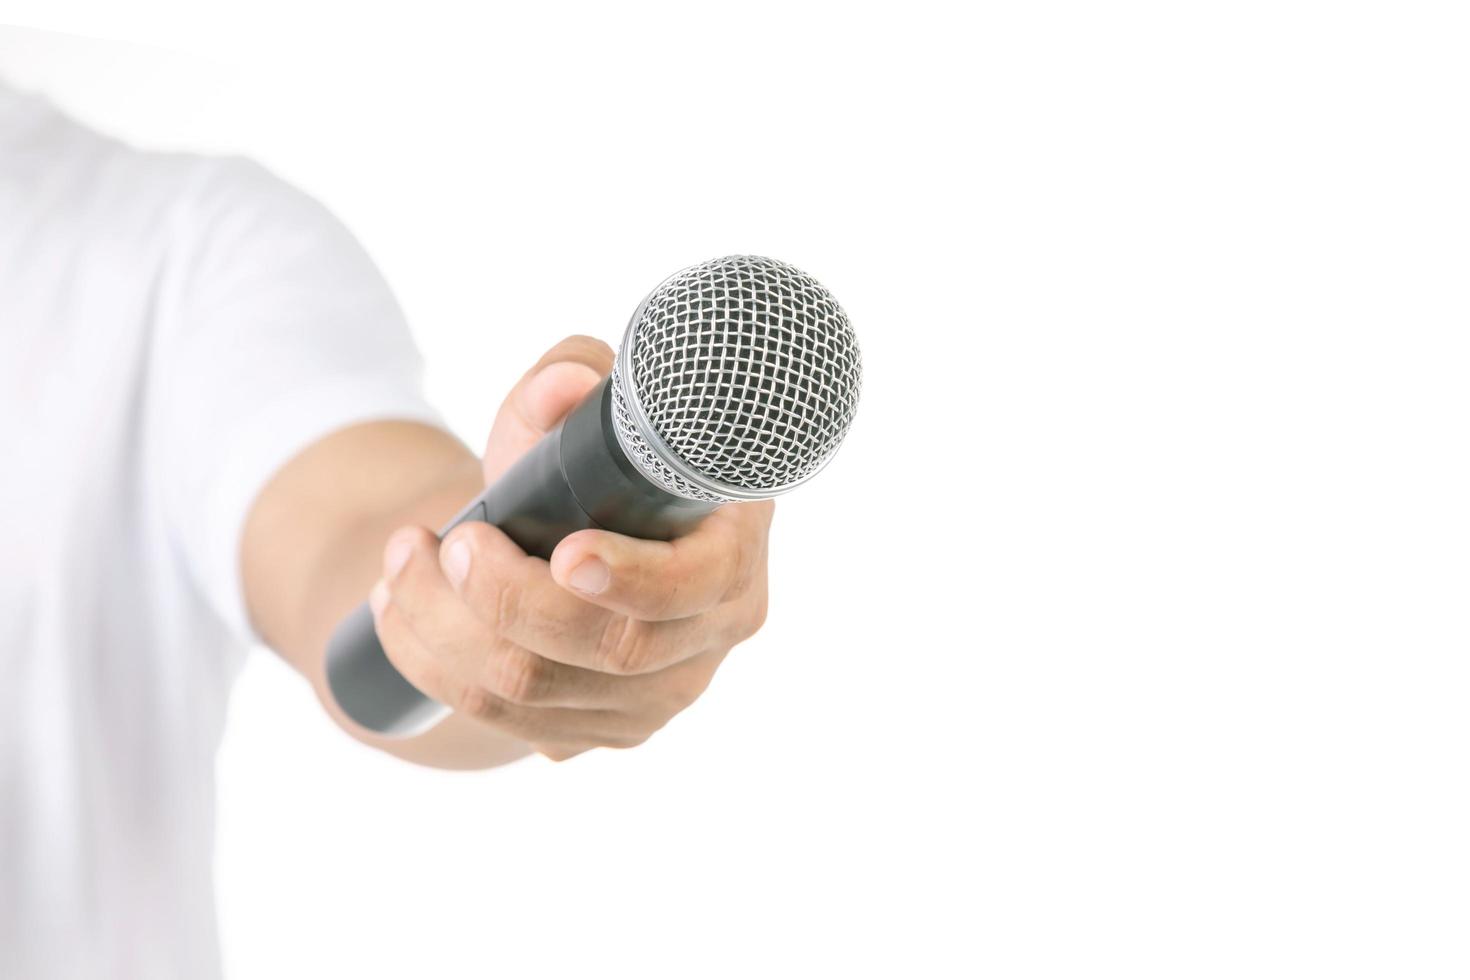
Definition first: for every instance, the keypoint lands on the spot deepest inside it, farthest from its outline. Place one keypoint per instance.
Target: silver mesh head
(737, 380)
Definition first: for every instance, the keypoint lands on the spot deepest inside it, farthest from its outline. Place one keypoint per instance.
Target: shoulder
(234, 217)
(237, 190)
(61, 168)
(104, 191)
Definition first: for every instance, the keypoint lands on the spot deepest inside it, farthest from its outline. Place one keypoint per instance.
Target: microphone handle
(576, 477)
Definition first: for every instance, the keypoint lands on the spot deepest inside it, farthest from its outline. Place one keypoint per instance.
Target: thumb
(542, 398)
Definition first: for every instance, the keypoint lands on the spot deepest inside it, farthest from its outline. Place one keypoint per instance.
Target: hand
(599, 647)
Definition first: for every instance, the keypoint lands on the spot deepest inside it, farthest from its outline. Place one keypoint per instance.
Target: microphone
(737, 379)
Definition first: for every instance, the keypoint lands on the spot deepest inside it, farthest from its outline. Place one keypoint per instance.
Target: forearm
(313, 548)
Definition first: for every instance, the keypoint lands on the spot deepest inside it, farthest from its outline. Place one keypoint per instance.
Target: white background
(1126, 637)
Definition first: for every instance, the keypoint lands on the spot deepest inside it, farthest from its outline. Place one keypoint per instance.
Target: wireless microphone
(737, 379)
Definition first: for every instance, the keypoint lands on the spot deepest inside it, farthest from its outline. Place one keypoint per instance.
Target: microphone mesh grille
(746, 369)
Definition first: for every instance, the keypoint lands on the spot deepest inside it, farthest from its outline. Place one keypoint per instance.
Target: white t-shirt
(173, 328)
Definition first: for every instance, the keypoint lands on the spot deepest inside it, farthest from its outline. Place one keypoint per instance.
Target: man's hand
(599, 647)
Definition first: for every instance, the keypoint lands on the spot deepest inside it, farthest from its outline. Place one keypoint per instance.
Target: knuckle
(622, 648)
(758, 611)
(622, 739)
(480, 704)
(519, 677)
(508, 602)
(748, 565)
(644, 729)
(677, 699)
(567, 750)
(741, 566)
(687, 690)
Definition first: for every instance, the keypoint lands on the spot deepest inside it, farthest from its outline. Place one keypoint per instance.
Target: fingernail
(396, 557)
(455, 560)
(378, 598)
(590, 577)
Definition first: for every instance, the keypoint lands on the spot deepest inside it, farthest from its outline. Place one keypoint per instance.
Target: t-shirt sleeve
(275, 330)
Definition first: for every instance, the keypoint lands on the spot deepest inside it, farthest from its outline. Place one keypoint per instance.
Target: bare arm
(313, 548)
(561, 669)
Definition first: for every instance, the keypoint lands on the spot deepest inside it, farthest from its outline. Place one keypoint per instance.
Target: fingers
(562, 727)
(559, 659)
(452, 630)
(543, 396)
(516, 596)
(545, 705)
(419, 606)
(720, 560)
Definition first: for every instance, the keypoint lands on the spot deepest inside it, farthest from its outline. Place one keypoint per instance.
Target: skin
(601, 646)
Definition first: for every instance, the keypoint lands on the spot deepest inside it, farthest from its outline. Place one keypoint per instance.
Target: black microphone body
(576, 477)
